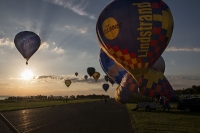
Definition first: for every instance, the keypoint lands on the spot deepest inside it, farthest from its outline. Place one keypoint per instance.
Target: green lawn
(157, 121)
(6, 105)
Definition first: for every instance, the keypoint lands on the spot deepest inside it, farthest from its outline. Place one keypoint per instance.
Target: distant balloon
(68, 82)
(111, 68)
(86, 77)
(106, 78)
(135, 33)
(90, 71)
(76, 73)
(159, 65)
(111, 81)
(105, 87)
(27, 43)
(96, 76)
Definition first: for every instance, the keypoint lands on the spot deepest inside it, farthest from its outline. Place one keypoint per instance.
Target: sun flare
(27, 75)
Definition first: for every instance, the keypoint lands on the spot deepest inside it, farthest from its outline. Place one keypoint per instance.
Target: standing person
(105, 101)
(166, 104)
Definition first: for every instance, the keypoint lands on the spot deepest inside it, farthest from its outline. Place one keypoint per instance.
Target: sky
(69, 45)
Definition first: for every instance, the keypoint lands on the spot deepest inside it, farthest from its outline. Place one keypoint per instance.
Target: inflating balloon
(68, 82)
(135, 33)
(126, 89)
(90, 71)
(86, 77)
(111, 68)
(105, 87)
(151, 87)
(96, 76)
(123, 95)
(76, 74)
(154, 83)
(27, 43)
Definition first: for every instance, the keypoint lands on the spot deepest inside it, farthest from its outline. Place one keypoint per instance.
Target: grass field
(6, 105)
(157, 121)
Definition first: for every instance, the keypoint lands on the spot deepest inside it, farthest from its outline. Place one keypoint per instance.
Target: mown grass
(7, 105)
(157, 121)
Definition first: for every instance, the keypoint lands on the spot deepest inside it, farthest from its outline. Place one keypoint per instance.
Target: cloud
(6, 42)
(2, 33)
(73, 78)
(77, 8)
(175, 49)
(44, 46)
(180, 82)
(172, 62)
(85, 55)
(80, 30)
(58, 50)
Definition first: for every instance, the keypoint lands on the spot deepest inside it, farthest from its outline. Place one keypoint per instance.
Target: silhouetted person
(66, 100)
(166, 104)
(105, 101)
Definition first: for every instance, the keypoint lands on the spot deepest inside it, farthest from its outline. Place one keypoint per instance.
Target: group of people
(164, 101)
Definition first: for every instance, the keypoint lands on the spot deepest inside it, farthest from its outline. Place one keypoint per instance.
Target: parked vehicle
(189, 104)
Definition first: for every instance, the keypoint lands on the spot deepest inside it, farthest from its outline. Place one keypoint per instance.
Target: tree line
(194, 90)
(51, 97)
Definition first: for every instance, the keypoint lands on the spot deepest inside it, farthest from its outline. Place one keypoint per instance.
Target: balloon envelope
(106, 78)
(86, 77)
(111, 81)
(111, 68)
(105, 86)
(96, 76)
(126, 89)
(27, 43)
(90, 71)
(76, 73)
(154, 83)
(135, 33)
(68, 82)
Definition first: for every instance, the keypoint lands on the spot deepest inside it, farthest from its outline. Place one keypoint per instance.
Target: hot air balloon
(111, 68)
(90, 71)
(135, 33)
(106, 78)
(122, 96)
(27, 43)
(96, 76)
(111, 81)
(154, 83)
(126, 89)
(151, 87)
(68, 82)
(105, 87)
(76, 73)
(86, 77)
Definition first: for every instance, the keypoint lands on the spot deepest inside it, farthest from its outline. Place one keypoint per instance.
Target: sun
(27, 75)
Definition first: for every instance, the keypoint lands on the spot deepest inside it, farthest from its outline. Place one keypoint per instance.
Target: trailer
(148, 106)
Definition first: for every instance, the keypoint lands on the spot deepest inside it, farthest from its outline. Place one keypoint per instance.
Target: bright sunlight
(27, 75)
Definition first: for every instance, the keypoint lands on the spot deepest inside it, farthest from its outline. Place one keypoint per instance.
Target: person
(105, 101)
(161, 100)
(166, 104)
(157, 98)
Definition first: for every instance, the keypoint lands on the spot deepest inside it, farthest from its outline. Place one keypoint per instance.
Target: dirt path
(91, 117)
